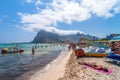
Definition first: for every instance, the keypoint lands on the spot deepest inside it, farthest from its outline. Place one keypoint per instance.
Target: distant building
(116, 38)
(115, 35)
(111, 36)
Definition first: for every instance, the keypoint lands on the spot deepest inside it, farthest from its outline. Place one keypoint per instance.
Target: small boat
(12, 52)
(15, 50)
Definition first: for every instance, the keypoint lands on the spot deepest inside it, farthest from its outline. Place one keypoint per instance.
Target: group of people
(94, 66)
(72, 46)
(115, 47)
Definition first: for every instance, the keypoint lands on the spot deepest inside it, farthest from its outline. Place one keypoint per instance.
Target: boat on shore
(96, 54)
(15, 50)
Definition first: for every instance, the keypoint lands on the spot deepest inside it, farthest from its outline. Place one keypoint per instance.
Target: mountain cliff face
(44, 36)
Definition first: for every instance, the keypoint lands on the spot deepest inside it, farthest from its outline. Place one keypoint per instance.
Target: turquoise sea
(12, 65)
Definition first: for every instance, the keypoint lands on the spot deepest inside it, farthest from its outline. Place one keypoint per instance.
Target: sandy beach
(54, 70)
(66, 67)
(75, 71)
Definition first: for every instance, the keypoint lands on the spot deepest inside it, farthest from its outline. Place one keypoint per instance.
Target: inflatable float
(102, 71)
(96, 67)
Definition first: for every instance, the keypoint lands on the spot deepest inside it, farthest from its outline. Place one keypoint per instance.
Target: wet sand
(75, 71)
(54, 70)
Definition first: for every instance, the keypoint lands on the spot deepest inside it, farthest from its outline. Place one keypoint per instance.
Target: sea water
(13, 65)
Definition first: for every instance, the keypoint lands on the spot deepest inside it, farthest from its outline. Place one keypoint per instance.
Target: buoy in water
(21, 51)
(4, 50)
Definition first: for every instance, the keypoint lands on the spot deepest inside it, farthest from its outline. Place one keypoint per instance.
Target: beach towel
(102, 71)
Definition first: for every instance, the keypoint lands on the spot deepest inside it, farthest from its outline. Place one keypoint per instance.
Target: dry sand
(54, 70)
(75, 71)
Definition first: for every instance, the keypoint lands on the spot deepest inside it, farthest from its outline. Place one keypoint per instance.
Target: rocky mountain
(44, 36)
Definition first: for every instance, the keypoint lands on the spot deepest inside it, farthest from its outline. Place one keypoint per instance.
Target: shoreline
(56, 68)
(41, 63)
(28, 75)
(66, 67)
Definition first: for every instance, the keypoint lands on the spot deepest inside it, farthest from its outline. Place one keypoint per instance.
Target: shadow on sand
(114, 63)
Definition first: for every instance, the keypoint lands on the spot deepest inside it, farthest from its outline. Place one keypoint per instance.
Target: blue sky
(21, 20)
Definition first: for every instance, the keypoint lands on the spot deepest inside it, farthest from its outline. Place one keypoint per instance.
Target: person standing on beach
(69, 47)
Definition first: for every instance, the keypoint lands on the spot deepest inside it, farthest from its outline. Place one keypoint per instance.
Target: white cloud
(36, 27)
(101, 8)
(38, 2)
(117, 9)
(67, 11)
(62, 32)
(28, 1)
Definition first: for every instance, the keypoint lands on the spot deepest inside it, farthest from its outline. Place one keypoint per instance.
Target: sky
(20, 20)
